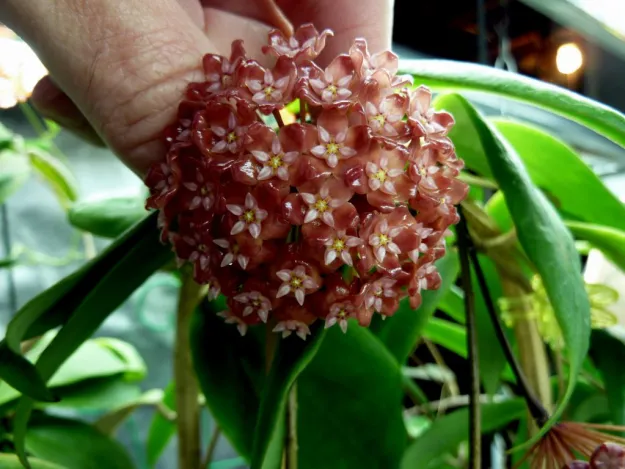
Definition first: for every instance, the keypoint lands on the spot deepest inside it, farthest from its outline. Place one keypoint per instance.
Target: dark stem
(278, 118)
(475, 434)
(212, 445)
(539, 413)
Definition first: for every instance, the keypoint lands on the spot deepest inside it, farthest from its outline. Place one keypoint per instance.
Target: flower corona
(338, 215)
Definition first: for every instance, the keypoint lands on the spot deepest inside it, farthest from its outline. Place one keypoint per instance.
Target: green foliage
(446, 75)
(75, 445)
(14, 172)
(446, 433)
(54, 172)
(548, 244)
(161, 429)
(107, 217)
(608, 352)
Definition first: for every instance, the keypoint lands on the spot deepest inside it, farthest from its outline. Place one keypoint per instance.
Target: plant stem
(475, 435)
(539, 413)
(187, 389)
(292, 446)
(212, 445)
(278, 118)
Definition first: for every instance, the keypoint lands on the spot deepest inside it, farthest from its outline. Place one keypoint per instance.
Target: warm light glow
(20, 69)
(569, 58)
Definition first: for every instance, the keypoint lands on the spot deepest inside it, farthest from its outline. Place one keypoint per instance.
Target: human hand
(118, 68)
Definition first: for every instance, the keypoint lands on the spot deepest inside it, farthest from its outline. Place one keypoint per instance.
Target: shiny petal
(265, 173)
(299, 296)
(238, 227)
(235, 209)
(284, 275)
(283, 290)
(330, 256)
(254, 230)
(261, 156)
(311, 215)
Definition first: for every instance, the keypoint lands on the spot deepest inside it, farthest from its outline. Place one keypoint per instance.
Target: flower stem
(278, 118)
(539, 413)
(212, 445)
(187, 389)
(292, 446)
(475, 435)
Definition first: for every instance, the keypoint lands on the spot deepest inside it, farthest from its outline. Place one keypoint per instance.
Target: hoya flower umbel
(332, 218)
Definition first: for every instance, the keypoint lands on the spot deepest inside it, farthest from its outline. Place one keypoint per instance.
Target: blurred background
(577, 44)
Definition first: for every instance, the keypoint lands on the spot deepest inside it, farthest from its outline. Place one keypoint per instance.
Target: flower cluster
(605, 456)
(340, 214)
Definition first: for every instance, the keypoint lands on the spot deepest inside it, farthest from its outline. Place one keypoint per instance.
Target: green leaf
(230, 372)
(446, 433)
(75, 445)
(19, 374)
(349, 401)
(6, 137)
(292, 356)
(548, 244)
(463, 76)
(54, 306)
(541, 153)
(55, 173)
(452, 304)
(96, 394)
(608, 352)
(91, 360)
(132, 268)
(110, 422)
(609, 240)
(448, 335)
(14, 172)
(107, 217)
(8, 262)
(161, 429)
(136, 369)
(10, 461)
(401, 334)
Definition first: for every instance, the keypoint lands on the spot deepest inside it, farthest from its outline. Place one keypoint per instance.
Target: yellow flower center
(202, 248)
(380, 119)
(268, 91)
(381, 175)
(321, 205)
(384, 239)
(296, 282)
(442, 200)
(342, 314)
(332, 89)
(338, 245)
(256, 303)
(232, 137)
(204, 190)
(276, 161)
(235, 249)
(332, 148)
(249, 216)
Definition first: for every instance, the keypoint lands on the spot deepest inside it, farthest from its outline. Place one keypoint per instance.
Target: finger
(369, 19)
(124, 63)
(52, 103)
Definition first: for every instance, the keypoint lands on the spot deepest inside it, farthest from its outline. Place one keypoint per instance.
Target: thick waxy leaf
(292, 357)
(446, 433)
(138, 261)
(448, 335)
(110, 422)
(91, 360)
(14, 172)
(20, 376)
(401, 334)
(608, 352)
(462, 76)
(230, 370)
(548, 244)
(608, 240)
(11, 461)
(452, 304)
(54, 173)
(161, 429)
(108, 217)
(541, 153)
(350, 412)
(75, 445)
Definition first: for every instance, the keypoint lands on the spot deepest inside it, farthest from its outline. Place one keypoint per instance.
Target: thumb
(124, 63)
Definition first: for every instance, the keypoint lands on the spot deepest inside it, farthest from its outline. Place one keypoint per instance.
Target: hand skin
(123, 65)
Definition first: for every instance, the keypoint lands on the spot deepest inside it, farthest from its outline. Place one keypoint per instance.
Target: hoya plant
(369, 277)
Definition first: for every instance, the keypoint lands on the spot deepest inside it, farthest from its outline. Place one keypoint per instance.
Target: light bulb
(569, 58)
